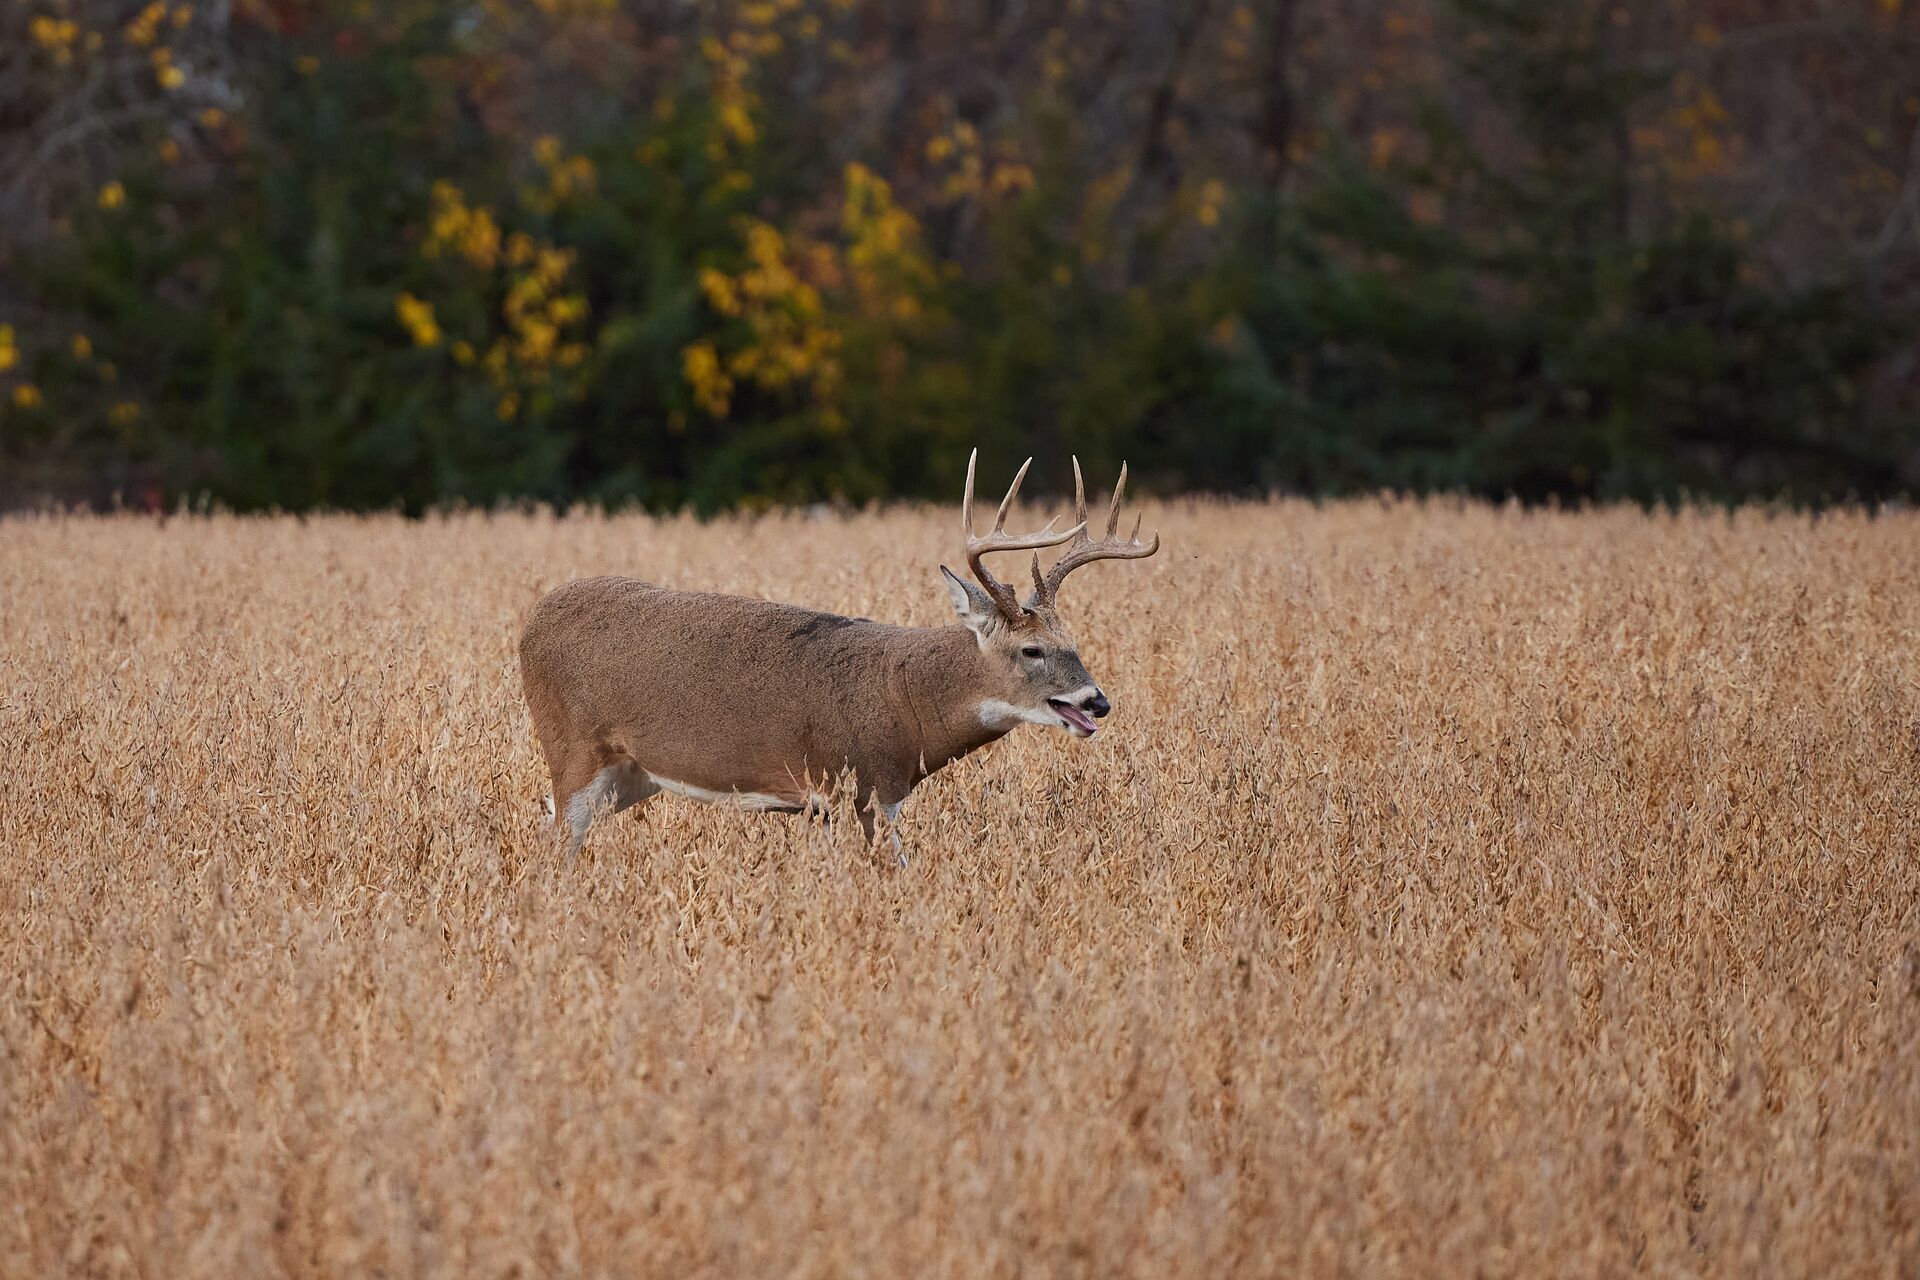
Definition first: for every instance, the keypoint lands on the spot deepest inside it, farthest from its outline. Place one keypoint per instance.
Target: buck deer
(637, 689)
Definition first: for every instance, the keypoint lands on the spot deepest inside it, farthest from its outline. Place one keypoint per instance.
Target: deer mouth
(1078, 722)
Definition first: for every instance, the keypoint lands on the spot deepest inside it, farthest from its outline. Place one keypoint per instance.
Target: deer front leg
(877, 817)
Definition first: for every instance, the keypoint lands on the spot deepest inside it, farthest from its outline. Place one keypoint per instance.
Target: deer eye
(1032, 651)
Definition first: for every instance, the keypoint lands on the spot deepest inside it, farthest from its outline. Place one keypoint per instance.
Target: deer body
(784, 697)
(636, 689)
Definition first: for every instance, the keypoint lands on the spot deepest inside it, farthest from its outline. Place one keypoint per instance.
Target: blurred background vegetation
(357, 254)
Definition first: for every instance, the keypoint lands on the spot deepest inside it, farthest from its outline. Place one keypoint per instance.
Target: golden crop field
(1454, 891)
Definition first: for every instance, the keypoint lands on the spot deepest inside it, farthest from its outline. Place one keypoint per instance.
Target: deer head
(1034, 671)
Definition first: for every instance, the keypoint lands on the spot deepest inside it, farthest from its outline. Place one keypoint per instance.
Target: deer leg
(574, 796)
(630, 785)
(599, 784)
(876, 815)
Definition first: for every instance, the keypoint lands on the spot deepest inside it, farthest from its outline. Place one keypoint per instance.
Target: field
(1453, 891)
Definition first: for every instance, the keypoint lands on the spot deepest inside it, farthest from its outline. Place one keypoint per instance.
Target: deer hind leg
(601, 783)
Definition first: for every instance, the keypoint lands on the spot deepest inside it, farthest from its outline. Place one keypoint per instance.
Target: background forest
(711, 254)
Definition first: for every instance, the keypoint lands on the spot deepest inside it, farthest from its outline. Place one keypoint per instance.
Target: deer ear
(973, 605)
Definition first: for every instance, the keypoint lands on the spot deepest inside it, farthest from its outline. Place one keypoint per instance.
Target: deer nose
(1097, 706)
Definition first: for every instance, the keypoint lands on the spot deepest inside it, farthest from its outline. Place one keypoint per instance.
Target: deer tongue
(1076, 717)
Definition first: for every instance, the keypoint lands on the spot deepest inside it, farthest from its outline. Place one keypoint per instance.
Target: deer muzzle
(1079, 714)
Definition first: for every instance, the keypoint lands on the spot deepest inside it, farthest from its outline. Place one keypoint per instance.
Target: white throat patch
(995, 714)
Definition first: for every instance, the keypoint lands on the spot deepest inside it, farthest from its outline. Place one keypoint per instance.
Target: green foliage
(1537, 336)
(254, 314)
(378, 294)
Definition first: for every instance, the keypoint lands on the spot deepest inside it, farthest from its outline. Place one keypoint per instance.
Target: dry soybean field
(1454, 890)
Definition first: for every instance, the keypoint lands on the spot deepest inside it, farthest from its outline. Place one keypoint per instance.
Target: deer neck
(938, 687)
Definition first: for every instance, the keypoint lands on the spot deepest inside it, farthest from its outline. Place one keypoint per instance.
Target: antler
(1000, 540)
(1084, 549)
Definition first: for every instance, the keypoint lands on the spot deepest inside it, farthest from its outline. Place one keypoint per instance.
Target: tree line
(335, 254)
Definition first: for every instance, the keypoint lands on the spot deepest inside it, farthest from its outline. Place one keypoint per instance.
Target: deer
(636, 689)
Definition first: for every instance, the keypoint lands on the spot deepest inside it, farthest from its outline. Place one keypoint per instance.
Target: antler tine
(966, 503)
(1000, 540)
(1013, 491)
(1079, 493)
(1084, 550)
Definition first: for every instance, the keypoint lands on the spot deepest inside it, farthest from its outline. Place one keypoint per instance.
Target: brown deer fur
(636, 688)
